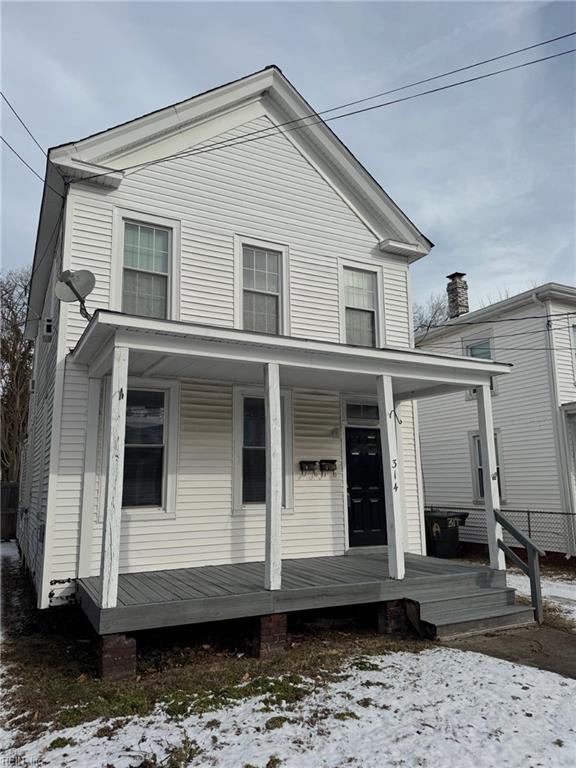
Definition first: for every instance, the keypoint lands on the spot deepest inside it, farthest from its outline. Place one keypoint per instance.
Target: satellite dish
(75, 286)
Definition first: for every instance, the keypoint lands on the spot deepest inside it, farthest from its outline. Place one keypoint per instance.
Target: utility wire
(457, 342)
(23, 124)
(29, 132)
(392, 90)
(11, 148)
(274, 130)
(449, 325)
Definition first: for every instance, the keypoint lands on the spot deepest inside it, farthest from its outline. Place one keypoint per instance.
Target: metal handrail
(531, 568)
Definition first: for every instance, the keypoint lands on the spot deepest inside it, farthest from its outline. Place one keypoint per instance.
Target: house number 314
(394, 468)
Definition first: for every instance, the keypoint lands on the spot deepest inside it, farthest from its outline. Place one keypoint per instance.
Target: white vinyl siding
(263, 193)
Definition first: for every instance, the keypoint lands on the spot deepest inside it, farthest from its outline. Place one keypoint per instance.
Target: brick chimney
(457, 290)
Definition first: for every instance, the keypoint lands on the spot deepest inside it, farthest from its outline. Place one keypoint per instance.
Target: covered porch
(119, 347)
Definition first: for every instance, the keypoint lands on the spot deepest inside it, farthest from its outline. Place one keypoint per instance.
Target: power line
(382, 93)
(11, 148)
(457, 342)
(449, 326)
(275, 129)
(23, 124)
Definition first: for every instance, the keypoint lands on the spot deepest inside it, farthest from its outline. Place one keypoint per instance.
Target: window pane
(146, 248)
(145, 294)
(253, 475)
(254, 422)
(360, 289)
(143, 470)
(144, 417)
(362, 411)
(261, 269)
(360, 328)
(480, 349)
(261, 312)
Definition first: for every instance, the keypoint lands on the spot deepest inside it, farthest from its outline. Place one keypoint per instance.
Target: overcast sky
(487, 171)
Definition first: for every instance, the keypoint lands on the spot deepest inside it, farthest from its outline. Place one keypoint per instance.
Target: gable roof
(92, 159)
(547, 291)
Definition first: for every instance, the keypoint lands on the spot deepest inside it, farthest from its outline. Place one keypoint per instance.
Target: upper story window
(262, 289)
(480, 348)
(360, 292)
(146, 267)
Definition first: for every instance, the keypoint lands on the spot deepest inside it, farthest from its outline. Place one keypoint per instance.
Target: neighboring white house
(534, 413)
(250, 343)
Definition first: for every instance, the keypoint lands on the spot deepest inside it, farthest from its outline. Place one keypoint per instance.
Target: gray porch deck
(217, 592)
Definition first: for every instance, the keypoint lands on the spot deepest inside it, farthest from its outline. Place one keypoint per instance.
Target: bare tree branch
(15, 370)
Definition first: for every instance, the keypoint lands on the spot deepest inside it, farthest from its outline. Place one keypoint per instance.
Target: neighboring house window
(479, 468)
(147, 261)
(482, 350)
(360, 305)
(250, 460)
(144, 454)
(261, 283)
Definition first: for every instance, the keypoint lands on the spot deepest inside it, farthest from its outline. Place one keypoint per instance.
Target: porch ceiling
(168, 349)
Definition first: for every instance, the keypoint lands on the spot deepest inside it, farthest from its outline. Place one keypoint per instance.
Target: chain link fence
(552, 531)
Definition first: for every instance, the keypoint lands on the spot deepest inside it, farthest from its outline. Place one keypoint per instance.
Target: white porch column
(273, 546)
(115, 475)
(391, 473)
(490, 476)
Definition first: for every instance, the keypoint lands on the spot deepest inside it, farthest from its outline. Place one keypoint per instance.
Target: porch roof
(175, 349)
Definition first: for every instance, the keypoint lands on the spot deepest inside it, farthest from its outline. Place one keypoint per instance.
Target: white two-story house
(243, 395)
(534, 411)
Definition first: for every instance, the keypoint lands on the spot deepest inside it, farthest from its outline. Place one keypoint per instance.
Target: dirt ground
(542, 646)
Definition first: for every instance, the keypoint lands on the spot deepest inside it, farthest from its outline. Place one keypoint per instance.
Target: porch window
(261, 281)
(144, 451)
(360, 303)
(478, 460)
(250, 450)
(146, 270)
(361, 411)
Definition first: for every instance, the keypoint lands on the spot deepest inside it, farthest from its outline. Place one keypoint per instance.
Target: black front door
(366, 506)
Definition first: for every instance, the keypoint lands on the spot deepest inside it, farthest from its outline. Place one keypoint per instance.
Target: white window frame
(284, 293)
(379, 320)
(120, 218)
(472, 438)
(470, 341)
(239, 394)
(167, 511)
(572, 333)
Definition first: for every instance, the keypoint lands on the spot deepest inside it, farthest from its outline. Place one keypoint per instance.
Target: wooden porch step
(468, 612)
(455, 604)
(489, 619)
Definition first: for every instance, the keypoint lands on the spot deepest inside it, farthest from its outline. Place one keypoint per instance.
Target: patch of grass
(365, 702)
(274, 762)
(276, 722)
(365, 665)
(51, 667)
(60, 742)
(347, 715)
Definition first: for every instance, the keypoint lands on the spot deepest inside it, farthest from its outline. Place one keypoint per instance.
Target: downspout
(560, 438)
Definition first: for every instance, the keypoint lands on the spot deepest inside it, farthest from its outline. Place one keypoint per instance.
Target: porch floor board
(181, 596)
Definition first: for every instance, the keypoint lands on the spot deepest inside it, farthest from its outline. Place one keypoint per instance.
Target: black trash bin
(442, 531)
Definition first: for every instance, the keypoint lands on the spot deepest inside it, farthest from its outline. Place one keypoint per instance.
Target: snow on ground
(436, 709)
(561, 592)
